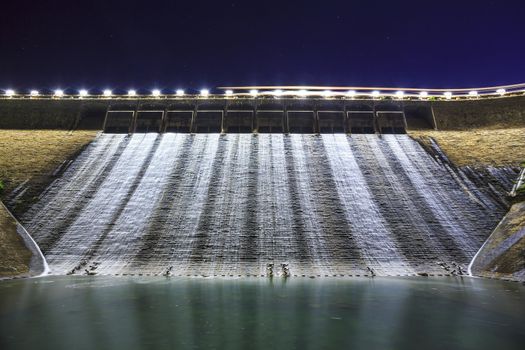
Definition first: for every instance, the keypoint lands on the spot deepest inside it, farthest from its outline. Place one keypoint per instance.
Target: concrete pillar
(105, 120)
(433, 116)
(316, 120)
(377, 129)
(134, 117)
(345, 118)
(254, 116)
(286, 126)
(193, 116)
(163, 120)
(405, 120)
(224, 116)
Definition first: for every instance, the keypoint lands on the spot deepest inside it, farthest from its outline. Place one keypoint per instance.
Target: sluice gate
(263, 117)
(265, 121)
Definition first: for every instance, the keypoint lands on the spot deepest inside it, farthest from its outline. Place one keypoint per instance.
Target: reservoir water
(84, 312)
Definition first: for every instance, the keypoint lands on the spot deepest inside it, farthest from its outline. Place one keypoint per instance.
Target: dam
(241, 185)
(269, 221)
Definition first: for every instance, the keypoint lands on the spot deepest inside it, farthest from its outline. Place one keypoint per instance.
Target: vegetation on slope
(30, 157)
(28, 160)
(503, 255)
(479, 147)
(14, 256)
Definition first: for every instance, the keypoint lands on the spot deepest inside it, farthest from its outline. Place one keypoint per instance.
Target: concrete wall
(491, 113)
(70, 114)
(52, 114)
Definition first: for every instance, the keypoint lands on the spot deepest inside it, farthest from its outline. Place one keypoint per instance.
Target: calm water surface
(256, 313)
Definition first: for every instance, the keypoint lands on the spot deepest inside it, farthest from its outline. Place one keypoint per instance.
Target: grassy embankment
(480, 147)
(14, 256)
(29, 158)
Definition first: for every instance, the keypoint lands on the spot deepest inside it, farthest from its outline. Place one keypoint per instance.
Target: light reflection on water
(256, 313)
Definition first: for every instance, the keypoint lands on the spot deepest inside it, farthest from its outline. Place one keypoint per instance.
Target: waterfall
(229, 205)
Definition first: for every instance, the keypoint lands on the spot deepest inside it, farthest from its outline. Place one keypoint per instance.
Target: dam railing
(263, 110)
(301, 92)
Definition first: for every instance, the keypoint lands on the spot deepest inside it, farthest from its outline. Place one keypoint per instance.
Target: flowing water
(212, 205)
(74, 312)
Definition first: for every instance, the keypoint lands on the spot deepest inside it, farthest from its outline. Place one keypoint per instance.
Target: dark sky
(195, 44)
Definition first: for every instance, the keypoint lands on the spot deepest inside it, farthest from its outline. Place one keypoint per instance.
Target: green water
(256, 313)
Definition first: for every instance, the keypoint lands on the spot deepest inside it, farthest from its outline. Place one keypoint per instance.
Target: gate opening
(178, 121)
(331, 122)
(301, 122)
(238, 121)
(149, 121)
(119, 122)
(361, 122)
(269, 122)
(391, 122)
(208, 122)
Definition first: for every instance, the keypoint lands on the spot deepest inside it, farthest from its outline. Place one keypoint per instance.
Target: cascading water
(230, 205)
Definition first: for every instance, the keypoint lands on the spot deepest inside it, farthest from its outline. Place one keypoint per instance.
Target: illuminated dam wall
(261, 114)
(229, 205)
(329, 187)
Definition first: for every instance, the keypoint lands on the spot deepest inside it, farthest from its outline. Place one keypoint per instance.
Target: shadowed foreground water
(256, 313)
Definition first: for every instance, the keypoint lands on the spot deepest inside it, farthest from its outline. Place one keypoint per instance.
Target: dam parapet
(259, 114)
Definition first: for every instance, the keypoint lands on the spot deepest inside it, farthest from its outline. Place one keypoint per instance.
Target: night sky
(196, 44)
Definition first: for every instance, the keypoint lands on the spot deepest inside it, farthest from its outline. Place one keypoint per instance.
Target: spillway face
(228, 205)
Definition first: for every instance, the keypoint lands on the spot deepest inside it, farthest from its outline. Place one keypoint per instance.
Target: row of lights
(277, 93)
(106, 93)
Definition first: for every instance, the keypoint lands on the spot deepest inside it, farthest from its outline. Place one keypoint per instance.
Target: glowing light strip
(292, 91)
(364, 88)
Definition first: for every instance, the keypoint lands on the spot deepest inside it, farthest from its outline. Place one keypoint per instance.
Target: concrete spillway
(209, 205)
